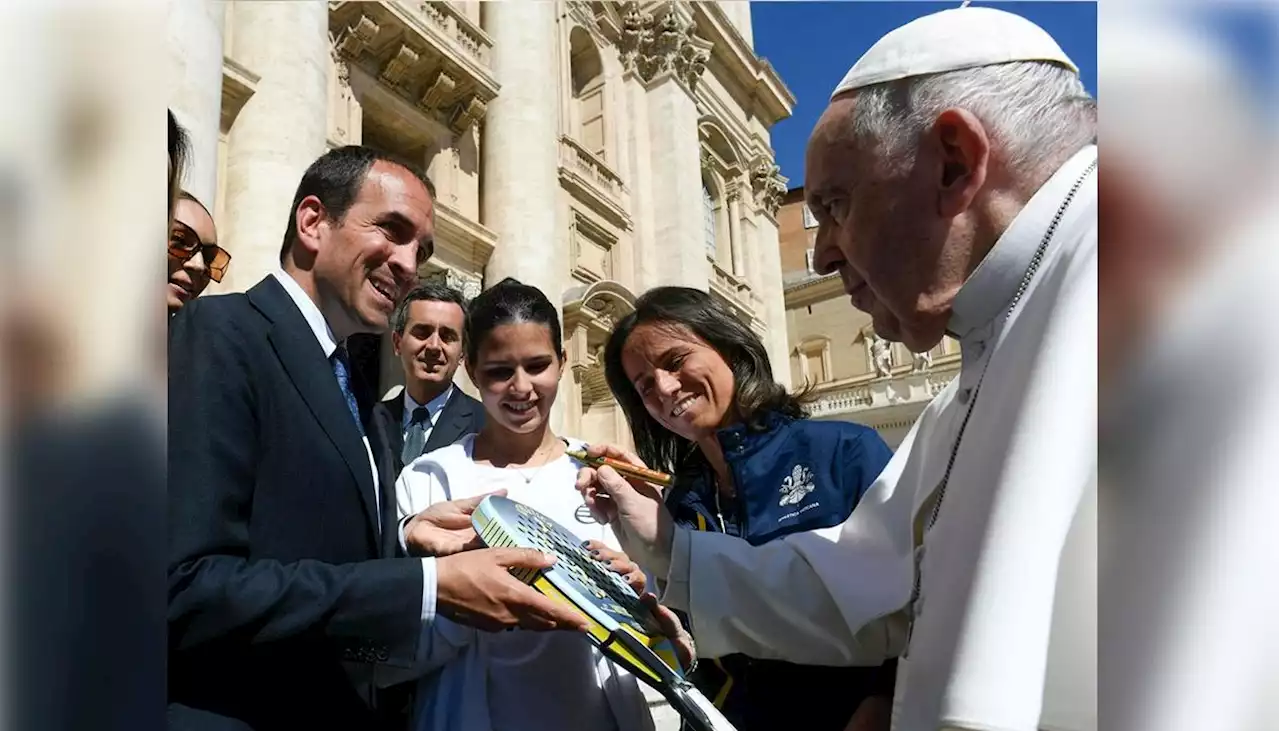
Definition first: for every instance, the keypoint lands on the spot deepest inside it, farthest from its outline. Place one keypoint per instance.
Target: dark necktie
(415, 438)
(342, 370)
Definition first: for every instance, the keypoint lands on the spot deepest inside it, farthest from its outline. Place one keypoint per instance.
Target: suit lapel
(311, 373)
(454, 421)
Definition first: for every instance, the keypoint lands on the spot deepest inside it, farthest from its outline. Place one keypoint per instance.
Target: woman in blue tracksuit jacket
(699, 394)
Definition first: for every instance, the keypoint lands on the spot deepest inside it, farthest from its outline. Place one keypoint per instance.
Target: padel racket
(620, 624)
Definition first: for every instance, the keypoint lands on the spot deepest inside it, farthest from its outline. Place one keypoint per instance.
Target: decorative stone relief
(438, 92)
(467, 113)
(357, 37)
(468, 284)
(656, 44)
(396, 72)
(770, 186)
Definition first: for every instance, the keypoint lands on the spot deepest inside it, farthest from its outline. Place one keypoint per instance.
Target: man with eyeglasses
(194, 254)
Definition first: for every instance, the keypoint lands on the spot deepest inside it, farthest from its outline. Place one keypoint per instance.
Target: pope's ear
(963, 152)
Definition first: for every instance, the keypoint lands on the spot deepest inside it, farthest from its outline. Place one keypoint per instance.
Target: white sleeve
(827, 597)
(421, 484)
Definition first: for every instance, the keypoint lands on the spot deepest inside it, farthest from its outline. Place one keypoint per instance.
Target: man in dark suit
(286, 608)
(427, 330)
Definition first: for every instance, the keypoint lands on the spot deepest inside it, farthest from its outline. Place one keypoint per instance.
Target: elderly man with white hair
(954, 178)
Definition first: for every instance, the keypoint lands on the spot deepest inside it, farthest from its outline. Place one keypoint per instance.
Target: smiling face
(430, 346)
(517, 370)
(191, 227)
(685, 384)
(368, 260)
(897, 237)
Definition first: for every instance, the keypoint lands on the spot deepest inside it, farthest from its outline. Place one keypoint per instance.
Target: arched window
(586, 74)
(709, 220)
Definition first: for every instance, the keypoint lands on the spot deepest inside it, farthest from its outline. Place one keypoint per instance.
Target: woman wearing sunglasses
(194, 254)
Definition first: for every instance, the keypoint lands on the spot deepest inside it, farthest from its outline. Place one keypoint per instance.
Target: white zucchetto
(950, 40)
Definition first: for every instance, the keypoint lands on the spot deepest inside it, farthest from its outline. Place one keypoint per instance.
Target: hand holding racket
(632, 506)
(635, 633)
(444, 528)
(667, 619)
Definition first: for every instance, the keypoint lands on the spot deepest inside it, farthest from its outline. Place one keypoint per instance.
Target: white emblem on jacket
(796, 485)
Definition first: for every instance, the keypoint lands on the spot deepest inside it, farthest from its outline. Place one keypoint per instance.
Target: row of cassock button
(367, 653)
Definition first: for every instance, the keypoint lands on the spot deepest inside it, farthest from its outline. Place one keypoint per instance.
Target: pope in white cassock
(954, 179)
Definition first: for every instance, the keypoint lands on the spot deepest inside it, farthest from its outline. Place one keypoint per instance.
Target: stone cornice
(238, 84)
(427, 53)
(659, 42)
(811, 291)
(754, 73)
(460, 241)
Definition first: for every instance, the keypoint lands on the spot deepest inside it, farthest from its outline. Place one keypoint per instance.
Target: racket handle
(642, 473)
(699, 713)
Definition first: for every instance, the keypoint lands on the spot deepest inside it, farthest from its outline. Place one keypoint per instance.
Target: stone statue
(921, 362)
(880, 357)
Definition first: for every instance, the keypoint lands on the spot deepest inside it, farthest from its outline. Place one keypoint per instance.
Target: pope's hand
(445, 528)
(476, 588)
(633, 508)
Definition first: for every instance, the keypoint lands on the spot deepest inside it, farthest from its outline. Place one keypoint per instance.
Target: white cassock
(1004, 632)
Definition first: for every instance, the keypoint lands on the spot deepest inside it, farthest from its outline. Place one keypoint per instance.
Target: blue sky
(813, 44)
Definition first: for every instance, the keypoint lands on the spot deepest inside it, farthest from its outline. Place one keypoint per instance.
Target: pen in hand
(623, 468)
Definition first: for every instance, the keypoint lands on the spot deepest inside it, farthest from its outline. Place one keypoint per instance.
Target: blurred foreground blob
(1188, 371)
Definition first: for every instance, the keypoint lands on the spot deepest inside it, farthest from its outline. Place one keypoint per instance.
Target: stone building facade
(853, 374)
(593, 149)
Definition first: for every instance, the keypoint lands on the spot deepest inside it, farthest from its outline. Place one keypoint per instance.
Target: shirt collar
(991, 287)
(310, 312)
(434, 406)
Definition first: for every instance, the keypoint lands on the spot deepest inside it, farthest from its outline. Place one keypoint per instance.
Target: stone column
(681, 256)
(775, 311)
(521, 149)
(660, 51)
(280, 131)
(521, 153)
(194, 40)
(735, 231)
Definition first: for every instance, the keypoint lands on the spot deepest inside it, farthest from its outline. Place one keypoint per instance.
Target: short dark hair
(335, 178)
(756, 393)
(430, 292)
(505, 303)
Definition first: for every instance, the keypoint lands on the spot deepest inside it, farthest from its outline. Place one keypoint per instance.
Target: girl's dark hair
(508, 302)
(755, 395)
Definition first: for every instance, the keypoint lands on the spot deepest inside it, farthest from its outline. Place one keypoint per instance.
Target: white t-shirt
(518, 681)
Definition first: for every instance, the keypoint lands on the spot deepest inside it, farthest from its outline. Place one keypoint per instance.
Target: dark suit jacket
(276, 570)
(462, 415)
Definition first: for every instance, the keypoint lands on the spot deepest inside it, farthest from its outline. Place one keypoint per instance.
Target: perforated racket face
(575, 572)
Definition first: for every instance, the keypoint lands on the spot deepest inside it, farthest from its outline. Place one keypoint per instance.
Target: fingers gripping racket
(620, 625)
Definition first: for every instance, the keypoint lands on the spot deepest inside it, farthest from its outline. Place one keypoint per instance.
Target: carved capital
(468, 112)
(356, 38)
(769, 185)
(653, 45)
(468, 285)
(396, 72)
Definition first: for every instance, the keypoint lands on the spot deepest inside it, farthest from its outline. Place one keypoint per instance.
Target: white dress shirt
(329, 343)
(515, 681)
(990, 566)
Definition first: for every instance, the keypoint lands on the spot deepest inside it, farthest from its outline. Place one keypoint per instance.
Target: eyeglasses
(184, 243)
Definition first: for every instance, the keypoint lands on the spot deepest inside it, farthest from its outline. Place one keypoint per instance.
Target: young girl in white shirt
(518, 680)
